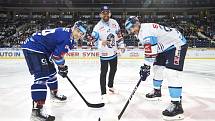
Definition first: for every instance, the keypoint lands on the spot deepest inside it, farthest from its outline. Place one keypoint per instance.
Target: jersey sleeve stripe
(151, 40)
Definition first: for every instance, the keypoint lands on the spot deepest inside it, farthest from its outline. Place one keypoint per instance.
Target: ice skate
(174, 111)
(154, 95)
(39, 113)
(57, 97)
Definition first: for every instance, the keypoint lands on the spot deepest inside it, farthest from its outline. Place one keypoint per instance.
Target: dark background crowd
(200, 32)
(193, 18)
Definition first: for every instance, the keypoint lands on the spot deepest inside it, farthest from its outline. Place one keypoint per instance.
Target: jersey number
(48, 31)
(167, 29)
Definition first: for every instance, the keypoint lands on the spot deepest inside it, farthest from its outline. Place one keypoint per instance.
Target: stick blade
(99, 105)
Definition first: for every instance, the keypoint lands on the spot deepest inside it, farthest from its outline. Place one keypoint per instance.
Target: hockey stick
(99, 105)
(129, 99)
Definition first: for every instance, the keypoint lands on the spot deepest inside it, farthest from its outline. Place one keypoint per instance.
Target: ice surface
(198, 92)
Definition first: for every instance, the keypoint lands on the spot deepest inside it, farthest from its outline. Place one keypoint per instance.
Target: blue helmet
(130, 22)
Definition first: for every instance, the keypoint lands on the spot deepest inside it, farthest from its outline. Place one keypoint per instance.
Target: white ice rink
(198, 92)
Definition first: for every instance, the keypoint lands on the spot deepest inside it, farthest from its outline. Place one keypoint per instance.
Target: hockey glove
(90, 40)
(63, 70)
(144, 72)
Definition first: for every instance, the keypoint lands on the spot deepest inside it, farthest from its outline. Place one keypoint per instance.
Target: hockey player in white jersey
(165, 48)
(107, 36)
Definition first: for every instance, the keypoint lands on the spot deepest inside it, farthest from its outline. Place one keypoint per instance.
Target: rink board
(193, 53)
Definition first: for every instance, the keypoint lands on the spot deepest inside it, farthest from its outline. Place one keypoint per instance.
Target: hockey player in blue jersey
(165, 48)
(42, 51)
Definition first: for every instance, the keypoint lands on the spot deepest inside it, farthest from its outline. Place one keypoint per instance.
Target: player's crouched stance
(164, 48)
(41, 51)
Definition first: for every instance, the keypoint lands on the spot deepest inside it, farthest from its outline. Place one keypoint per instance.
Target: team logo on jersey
(44, 61)
(110, 40)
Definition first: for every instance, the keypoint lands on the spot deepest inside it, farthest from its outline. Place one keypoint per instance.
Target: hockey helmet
(81, 26)
(130, 22)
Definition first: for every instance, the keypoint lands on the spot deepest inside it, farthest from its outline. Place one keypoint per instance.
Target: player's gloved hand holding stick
(63, 70)
(144, 72)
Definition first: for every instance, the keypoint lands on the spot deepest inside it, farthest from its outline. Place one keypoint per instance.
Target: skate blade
(58, 101)
(173, 118)
(154, 99)
(40, 119)
(35, 118)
